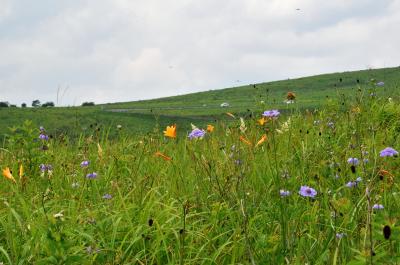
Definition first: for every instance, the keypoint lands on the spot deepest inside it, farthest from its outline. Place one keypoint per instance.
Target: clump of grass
(297, 188)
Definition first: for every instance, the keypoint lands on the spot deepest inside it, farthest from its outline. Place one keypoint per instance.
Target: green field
(226, 198)
(201, 108)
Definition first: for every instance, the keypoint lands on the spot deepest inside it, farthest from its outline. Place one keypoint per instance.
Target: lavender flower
(107, 196)
(284, 193)
(351, 184)
(388, 151)
(353, 161)
(378, 207)
(306, 191)
(91, 175)
(196, 133)
(271, 113)
(43, 167)
(44, 137)
(85, 163)
(41, 128)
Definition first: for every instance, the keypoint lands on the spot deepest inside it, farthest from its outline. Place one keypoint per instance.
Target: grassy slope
(199, 108)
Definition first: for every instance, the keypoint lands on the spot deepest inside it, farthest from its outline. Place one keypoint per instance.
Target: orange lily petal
(165, 157)
(244, 140)
(7, 174)
(263, 138)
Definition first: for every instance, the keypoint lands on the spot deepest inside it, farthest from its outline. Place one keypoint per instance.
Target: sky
(104, 51)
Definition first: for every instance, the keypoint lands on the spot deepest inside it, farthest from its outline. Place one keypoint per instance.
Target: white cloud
(121, 50)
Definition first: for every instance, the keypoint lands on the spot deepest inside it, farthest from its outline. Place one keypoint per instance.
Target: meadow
(295, 186)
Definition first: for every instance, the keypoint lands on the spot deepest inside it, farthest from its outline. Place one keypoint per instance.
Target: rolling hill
(203, 107)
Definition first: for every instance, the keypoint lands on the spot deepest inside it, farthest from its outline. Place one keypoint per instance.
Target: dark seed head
(181, 231)
(320, 133)
(387, 231)
(150, 222)
(353, 169)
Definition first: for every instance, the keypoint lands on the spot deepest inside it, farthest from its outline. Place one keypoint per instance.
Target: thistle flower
(271, 113)
(7, 174)
(44, 137)
(91, 175)
(196, 133)
(170, 131)
(306, 191)
(284, 193)
(340, 235)
(378, 207)
(85, 163)
(353, 161)
(107, 196)
(351, 184)
(388, 151)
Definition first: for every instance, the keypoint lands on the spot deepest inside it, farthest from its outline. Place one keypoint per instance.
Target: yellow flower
(21, 171)
(165, 157)
(262, 121)
(230, 114)
(263, 138)
(170, 131)
(7, 174)
(210, 128)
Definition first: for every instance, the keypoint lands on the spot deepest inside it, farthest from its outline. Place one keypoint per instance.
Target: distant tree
(13, 106)
(23, 105)
(48, 104)
(87, 104)
(4, 104)
(36, 103)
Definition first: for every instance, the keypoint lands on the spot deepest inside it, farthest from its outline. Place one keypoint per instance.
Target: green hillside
(203, 107)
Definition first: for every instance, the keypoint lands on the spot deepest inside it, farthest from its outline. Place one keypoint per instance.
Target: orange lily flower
(244, 140)
(210, 128)
(262, 121)
(7, 174)
(170, 131)
(165, 157)
(263, 138)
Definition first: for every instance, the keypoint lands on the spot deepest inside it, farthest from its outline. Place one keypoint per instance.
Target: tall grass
(217, 201)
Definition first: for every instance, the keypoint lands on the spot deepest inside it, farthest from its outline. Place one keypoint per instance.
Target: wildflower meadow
(284, 186)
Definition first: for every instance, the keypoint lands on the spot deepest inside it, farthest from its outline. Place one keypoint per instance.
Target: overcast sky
(123, 50)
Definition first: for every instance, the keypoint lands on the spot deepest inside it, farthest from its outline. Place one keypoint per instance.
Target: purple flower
(271, 113)
(366, 160)
(306, 191)
(41, 128)
(331, 124)
(284, 193)
(196, 133)
(42, 167)
(340, 235)
(43, 136)
(353, 161)
(85, 163)
(380, 83)
(359, 179)
(351, 184)
(378, 207)
(388, 151)
(91, 175)
(107, 196)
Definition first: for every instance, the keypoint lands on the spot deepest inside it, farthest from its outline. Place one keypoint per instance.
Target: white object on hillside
(225, 104)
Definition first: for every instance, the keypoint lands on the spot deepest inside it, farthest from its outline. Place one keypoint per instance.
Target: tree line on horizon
(36, 104)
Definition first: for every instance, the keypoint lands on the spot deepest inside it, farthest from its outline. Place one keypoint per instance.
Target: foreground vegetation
(307, 187)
